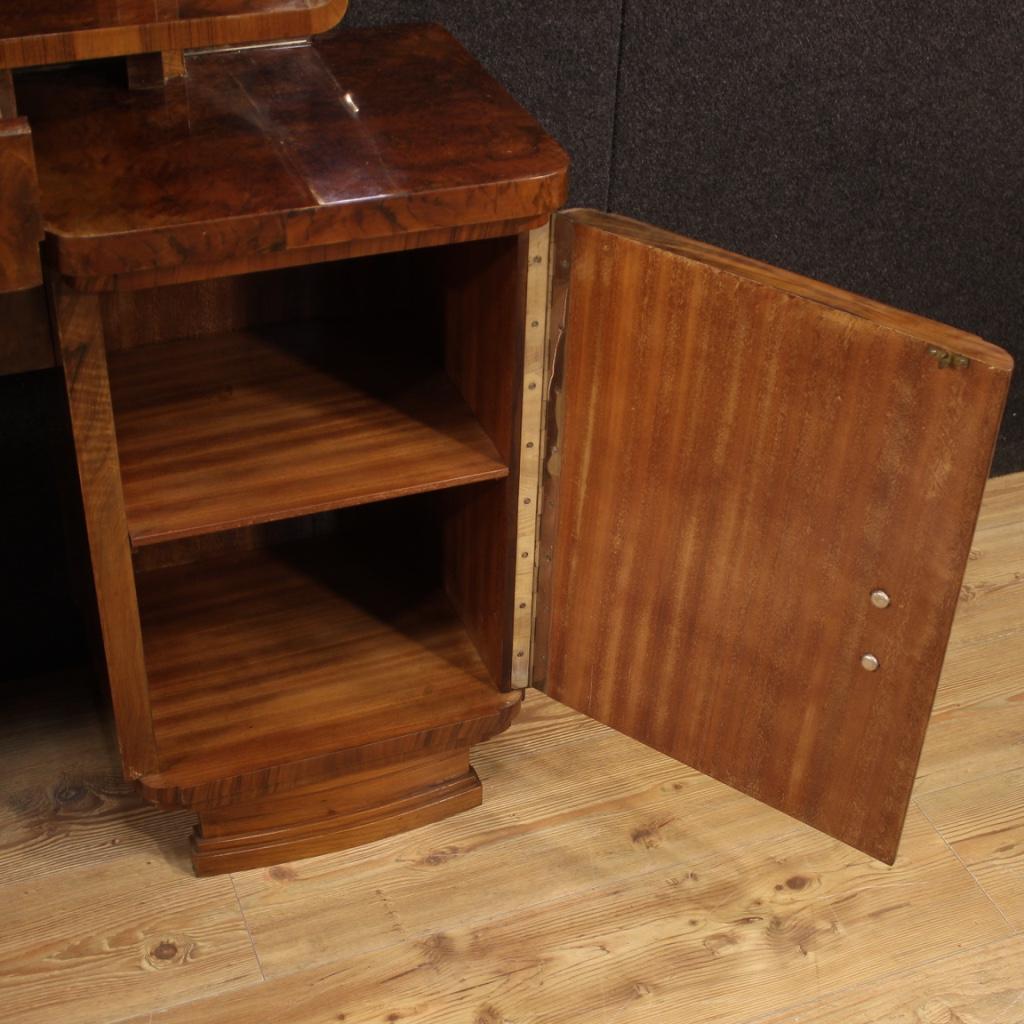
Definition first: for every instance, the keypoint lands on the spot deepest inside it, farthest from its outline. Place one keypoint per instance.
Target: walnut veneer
(57, 31)
(256, 154)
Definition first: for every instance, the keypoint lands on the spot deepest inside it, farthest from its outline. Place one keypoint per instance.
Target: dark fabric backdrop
(874, 145)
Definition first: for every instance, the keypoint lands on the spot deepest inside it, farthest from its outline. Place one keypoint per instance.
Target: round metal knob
(880, 599)
(869, 663)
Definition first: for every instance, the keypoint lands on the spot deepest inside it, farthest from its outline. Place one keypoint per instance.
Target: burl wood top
(58, 31)
(365, 134)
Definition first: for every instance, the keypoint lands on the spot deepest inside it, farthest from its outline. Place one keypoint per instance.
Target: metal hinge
(947, 360)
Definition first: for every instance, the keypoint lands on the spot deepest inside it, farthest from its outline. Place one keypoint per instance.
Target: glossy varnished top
(360, 135)
(55, 31)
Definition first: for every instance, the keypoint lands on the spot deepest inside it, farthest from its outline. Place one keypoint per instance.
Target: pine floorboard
(599, 881)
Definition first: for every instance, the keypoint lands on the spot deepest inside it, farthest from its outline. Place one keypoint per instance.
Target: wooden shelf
(263, 424)
(252, 658)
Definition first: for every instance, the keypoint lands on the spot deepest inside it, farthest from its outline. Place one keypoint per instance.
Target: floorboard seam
(960, 861)
(875, 980)
(527, 752)
(248, 931)
(966, 782)
(474, 923)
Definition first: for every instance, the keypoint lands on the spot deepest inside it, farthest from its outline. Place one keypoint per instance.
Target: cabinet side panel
(8, 98)
(20, 223)
(79, 332)
(485, 295)
(741, 466)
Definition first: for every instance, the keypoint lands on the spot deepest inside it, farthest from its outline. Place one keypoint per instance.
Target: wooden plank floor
(599, 882)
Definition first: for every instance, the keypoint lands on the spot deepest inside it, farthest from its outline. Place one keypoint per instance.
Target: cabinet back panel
(457, 308)
(397, 291)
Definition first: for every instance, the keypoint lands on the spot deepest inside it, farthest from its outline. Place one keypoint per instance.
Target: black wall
(873, 144)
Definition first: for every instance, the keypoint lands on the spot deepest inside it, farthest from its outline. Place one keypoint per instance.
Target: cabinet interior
(318, 467)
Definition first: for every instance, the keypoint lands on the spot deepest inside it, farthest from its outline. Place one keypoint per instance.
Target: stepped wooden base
(334, 815)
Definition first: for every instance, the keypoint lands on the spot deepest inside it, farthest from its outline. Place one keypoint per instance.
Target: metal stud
(869, 663)
(880, 599)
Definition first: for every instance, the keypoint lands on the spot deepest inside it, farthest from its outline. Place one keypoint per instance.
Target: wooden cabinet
(367, 443)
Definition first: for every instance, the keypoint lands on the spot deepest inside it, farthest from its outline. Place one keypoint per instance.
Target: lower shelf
(278, 669)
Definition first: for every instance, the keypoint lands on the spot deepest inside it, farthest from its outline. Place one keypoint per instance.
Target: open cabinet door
(759, 499)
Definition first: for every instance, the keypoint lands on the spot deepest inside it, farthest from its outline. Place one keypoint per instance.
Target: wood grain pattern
(357, 808)
(82, 816)
(593, 811)
(744, 457)
(189, 310)
(536, 906)
(391, 300)
(983, 984)
(20, 225)
(247, 168)
(708, 941)
(74, 944)
(155, 70)
(8, 97)
(79, 333)
(314, 254)
(62, 31)
(484, 295)
(859, 306)
(262, 661)
(64, 802)
(983, 822)
(976, 728)
(553, 422)
(978, 719)
(250, 426)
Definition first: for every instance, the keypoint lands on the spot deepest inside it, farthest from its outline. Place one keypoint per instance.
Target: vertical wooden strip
(8, 100)
(560, 258)
(167, 10)
(485, 300)
(20, 222)
(155, 70)
(79, 330)
(530, 448)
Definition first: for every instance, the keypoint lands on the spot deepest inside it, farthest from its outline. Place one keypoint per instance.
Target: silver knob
(869, 663)
(880, 599)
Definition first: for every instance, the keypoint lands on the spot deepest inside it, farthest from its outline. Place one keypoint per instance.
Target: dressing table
(369, 437)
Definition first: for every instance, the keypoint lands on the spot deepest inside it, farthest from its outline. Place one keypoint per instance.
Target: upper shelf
(59, 31)
(252, 426)
(363, 134)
